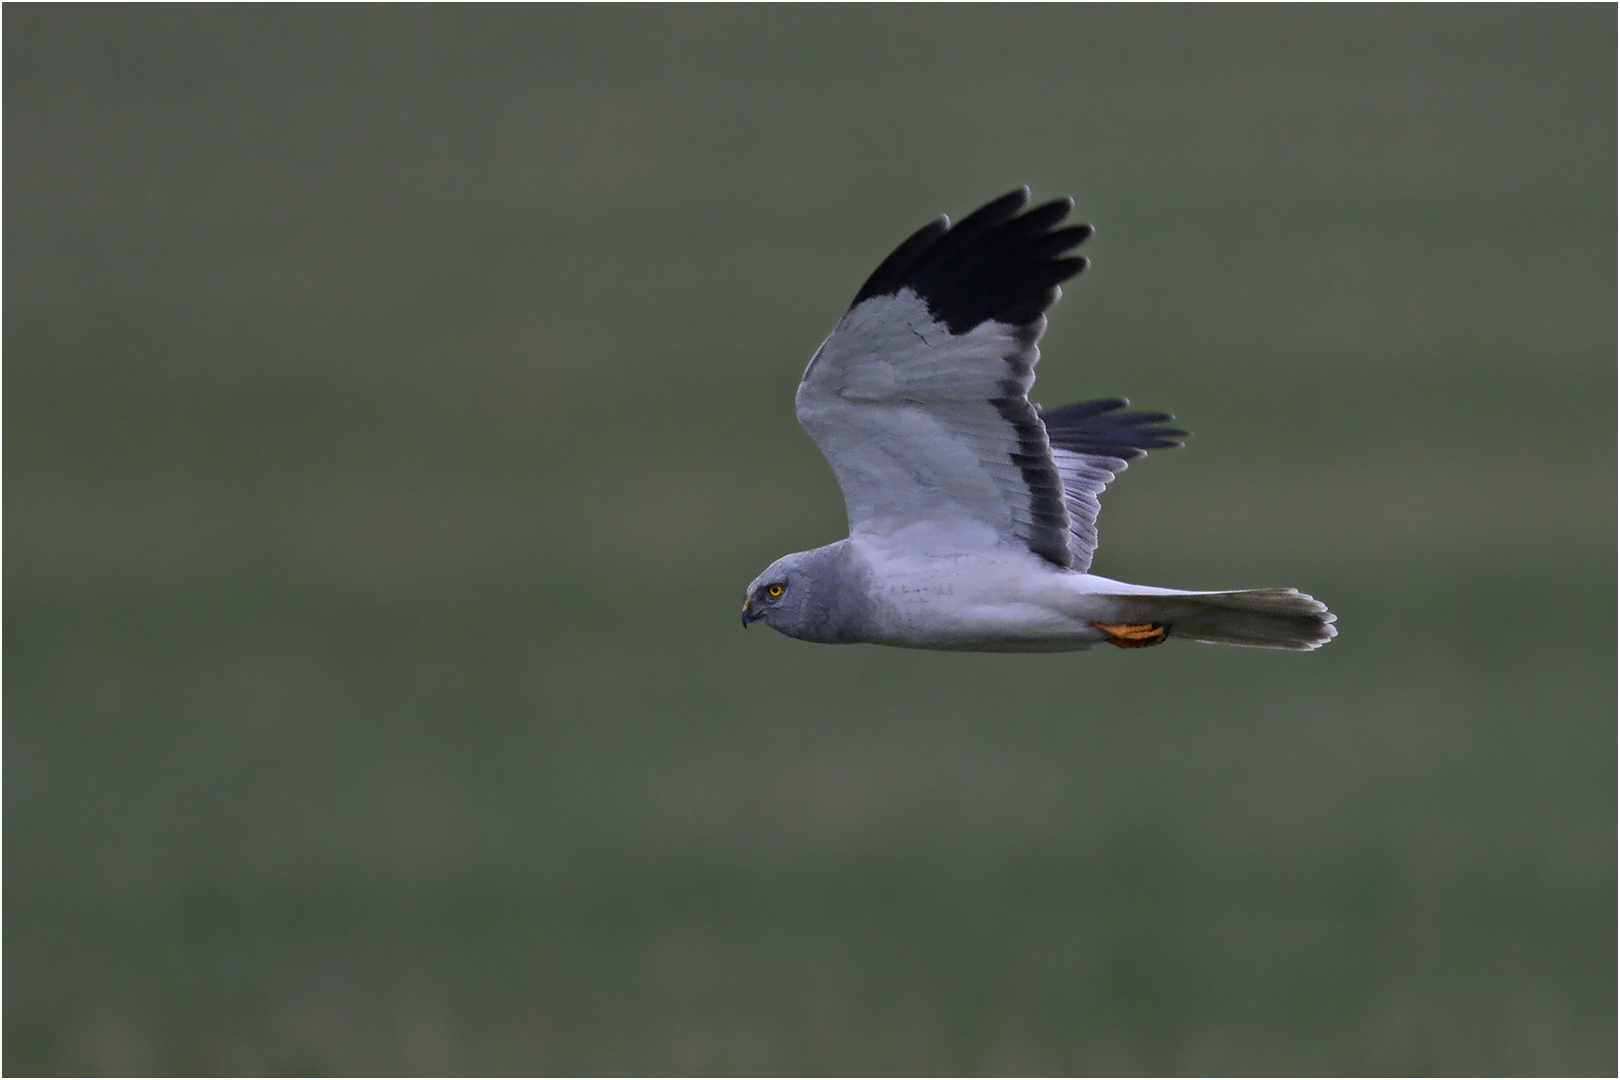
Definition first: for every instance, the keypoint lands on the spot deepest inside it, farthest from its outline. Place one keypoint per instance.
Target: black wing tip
(1082, 409)
(1001, 262)
(890, 276)
(1102, 427)
(1004, 206)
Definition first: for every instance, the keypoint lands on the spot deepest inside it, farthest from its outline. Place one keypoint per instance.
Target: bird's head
(819, 595)
(777, 597)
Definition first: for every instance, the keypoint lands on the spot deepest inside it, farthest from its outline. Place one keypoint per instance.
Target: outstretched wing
(1091, 442)
(919, 399)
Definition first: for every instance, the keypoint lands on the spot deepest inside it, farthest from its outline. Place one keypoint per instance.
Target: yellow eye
(774, 590)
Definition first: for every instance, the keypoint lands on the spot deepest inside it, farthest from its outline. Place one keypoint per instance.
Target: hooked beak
(748, 614)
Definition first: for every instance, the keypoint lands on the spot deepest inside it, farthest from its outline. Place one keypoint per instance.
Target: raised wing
(1091, 442)
(919, 399)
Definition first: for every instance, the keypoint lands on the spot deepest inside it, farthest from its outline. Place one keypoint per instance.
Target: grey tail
(1261, 618)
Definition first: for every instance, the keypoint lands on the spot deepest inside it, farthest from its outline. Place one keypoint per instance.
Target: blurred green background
(397, 402)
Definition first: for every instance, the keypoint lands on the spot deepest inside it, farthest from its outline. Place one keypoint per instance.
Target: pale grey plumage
(825, 598)
(972, 518)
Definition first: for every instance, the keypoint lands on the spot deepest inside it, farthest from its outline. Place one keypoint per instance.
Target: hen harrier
(972, 514)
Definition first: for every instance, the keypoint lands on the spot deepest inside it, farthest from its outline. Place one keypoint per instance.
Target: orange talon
(1133, 635)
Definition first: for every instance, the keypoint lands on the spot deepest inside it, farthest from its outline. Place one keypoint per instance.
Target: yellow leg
(1133, 635)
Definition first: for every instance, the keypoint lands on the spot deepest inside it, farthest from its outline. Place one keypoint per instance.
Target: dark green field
(397, 401)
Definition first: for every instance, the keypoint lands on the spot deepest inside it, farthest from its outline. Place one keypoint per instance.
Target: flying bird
(972, 513)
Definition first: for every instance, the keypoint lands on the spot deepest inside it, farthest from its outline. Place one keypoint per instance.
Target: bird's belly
(975, 604)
